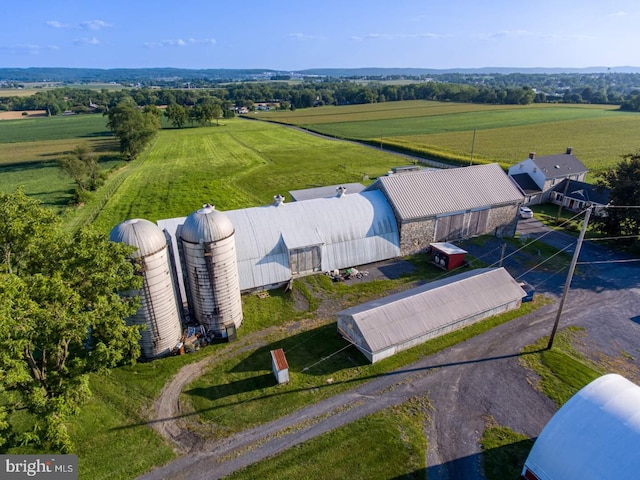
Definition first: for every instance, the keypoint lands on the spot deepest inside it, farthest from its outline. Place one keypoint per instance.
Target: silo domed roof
(206, 225)
(140, 233)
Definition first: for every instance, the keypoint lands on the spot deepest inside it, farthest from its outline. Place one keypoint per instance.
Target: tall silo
(210, 263)
(159, 309)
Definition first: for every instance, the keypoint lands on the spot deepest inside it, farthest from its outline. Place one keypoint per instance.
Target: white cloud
(618, 14)
(302, 36)
(202, 41)
(57, 24)
(94, 25)
(86, 25)
(396, 36)
(538, 35)
(180, 42)
(27, 49)
(87, 41)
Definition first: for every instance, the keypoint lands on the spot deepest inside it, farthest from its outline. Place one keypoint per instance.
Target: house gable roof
(526, 183)
(582, 191)
(430, 193)
(562, 165)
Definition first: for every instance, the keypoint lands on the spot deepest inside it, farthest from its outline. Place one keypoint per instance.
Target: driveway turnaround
(466, 384)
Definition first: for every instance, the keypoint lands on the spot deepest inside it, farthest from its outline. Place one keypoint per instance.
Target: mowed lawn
(599, 134)
(238, 164)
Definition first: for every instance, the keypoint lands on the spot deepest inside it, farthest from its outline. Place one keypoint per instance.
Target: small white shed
(280, 366)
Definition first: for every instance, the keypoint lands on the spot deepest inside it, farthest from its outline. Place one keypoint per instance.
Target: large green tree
(177, 115)
(60, 315)
(81, 165)
(623, 183)
(134, 127)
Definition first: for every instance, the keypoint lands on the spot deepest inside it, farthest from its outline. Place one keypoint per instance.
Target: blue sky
(297, 34)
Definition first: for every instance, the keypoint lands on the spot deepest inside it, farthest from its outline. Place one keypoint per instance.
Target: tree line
(518, 89)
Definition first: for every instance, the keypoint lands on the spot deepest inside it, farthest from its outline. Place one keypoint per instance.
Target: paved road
(465, 384)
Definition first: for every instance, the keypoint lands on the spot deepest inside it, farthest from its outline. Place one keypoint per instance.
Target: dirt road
(466, 384)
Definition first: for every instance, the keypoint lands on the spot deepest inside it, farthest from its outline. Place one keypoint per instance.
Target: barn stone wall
(415, 236)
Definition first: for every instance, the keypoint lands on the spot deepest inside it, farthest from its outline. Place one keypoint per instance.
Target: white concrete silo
(159, 308)
(211, 267)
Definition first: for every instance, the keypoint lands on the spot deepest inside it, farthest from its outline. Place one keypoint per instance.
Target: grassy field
(236, 165)
(399, 452)
(114, 417)
(599, 134)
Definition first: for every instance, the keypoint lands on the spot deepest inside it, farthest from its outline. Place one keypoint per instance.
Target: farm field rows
(30, 149)
(237, 165)
(599, 134)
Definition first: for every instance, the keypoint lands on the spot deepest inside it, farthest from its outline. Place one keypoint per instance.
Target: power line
(630, 260)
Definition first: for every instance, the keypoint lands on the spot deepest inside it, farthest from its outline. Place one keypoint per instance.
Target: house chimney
(278, 200)
(569, 150)
(342, 191)
(532, 155)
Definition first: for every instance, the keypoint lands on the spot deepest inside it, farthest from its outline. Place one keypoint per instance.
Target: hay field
(236, 165)
(20, 114)
(599, 134)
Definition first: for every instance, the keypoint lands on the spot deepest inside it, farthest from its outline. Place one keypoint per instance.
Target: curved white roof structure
(594, 436)
(336, 232)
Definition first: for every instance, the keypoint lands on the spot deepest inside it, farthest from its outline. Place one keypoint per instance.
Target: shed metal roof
(398, 318)
(324, 192)
(350, 230)
(595, 435)
(279, 359)
(430, 193)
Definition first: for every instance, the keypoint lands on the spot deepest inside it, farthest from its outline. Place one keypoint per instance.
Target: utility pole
(572, 268)
(473, 143)
(564, 195)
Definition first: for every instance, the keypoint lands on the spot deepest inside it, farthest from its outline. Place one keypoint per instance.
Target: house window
(553, 181)
(535, 169)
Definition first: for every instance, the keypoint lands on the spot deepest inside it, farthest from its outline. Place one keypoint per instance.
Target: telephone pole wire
(572, 268)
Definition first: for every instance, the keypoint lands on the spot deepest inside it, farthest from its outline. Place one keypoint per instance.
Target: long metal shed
(383, 327)
(278, 242)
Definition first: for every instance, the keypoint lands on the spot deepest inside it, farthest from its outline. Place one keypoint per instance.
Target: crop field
(599, 134)
(236, 165)
(53, 128)
(30, 148)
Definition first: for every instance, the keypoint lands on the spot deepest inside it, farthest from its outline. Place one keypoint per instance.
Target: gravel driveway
(467, 383)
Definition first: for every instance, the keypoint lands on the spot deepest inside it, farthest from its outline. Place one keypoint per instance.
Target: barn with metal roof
(278, 242)
(452, 204)
(383, 327)
(595, 435)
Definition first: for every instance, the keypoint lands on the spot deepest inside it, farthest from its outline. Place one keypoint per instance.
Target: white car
(525, 212)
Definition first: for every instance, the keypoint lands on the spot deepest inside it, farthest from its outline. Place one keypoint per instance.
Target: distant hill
(86, 75)
(349, 72)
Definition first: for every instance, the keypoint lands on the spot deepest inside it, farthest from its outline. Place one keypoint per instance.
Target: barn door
(450, 227)
(478, 222)
(304, 260)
